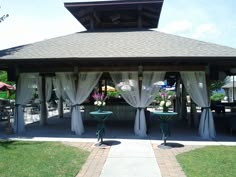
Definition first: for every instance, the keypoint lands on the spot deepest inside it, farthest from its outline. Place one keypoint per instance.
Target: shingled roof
(117, 44)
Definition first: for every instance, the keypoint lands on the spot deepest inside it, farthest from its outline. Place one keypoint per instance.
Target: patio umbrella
(109, 88)
(4, 86)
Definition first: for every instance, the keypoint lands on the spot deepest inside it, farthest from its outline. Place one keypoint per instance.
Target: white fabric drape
(24, 93)
(48, 87)
(195, 84)
(136, 95)
(48, 92)
(59, 93)
(59, 89)
(77, 94)
(57, 86)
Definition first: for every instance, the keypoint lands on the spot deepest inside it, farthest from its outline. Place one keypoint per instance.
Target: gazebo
(118, 42)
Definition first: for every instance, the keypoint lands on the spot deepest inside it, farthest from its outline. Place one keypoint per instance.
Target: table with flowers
(165, 117)
(100, 117)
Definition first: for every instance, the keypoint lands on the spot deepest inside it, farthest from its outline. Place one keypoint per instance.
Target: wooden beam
(96, 17)
(151, 9)
(150, 15)
(116, 68)
(91, 21)
(140, 25)
(81, 12)
(85, 19)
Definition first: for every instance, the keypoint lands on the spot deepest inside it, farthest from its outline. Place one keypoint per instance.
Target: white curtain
(48, 92)
(59, 93)
(77, 94)
(48, 88)
(24, 92)
(59, 89)
(195, 84)
(136, 95)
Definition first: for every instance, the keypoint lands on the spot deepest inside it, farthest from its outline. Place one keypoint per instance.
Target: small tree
(216, 85)
(3, 17)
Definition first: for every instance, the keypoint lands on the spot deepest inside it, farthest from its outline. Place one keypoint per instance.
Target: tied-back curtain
(127, 85)
(24, 93)
(48, 92)
(77, 93)
(136, 95)
(149, 90)
(59, 92)
(195, 84)
(59, 89)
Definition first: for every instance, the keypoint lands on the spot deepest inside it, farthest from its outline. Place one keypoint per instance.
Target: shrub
(217, 97)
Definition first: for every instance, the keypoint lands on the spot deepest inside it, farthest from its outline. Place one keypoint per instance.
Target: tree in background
(3, 76)
(215, 88)
(6, 94)
(3, 17)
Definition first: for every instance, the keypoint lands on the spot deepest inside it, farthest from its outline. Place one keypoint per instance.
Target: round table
(101, 117)
(165, 117)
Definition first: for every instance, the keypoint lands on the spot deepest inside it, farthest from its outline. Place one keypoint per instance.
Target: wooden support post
(43, 108)
(105, 93)
(140, 17)
(178, 100)
(60, 107)
(193, 121)
(184, 103)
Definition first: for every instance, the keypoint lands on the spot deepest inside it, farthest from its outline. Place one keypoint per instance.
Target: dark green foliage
(217, 96)
(216, 85)
(3, 17)
(112, 93)
(3, 76)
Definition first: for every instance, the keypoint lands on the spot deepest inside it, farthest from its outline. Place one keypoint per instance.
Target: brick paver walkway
(96, 160)
(165, 158)
(167, 162)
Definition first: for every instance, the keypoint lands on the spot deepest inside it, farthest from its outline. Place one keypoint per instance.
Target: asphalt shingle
(117, 44)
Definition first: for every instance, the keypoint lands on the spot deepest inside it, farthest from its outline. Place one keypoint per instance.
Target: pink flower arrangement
(99, 98)
(165, 99)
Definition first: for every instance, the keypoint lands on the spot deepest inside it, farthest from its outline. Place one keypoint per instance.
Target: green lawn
(39, 159)
(211, 161)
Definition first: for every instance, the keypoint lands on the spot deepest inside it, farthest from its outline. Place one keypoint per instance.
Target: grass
(210, 161)
(39, 159)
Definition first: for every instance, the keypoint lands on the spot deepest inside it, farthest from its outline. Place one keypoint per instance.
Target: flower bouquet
(165, 99)
(100, 99)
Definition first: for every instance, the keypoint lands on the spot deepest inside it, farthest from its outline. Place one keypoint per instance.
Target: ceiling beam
(151, 9)
(150, 15)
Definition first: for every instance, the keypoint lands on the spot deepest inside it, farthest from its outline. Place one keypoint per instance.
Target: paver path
(131, 159)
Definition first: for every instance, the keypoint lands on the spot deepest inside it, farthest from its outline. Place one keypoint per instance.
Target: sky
(36, 20)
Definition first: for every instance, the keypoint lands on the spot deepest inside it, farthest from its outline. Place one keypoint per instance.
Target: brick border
(167, 162)
(166, 159)
(96, 160)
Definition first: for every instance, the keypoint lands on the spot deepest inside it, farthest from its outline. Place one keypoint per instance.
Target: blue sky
(30, 21)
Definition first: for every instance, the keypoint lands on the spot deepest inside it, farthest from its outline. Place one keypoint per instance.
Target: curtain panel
(138, 93)
(77, 91)
(24, 93)
(195, 84)
(48, 93)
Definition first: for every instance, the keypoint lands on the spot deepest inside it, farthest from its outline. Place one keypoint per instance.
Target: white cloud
(205, 30)
(177, 26)
(29, 30)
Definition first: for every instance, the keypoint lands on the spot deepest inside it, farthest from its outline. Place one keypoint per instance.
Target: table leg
(165, 130)
(100, 132)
